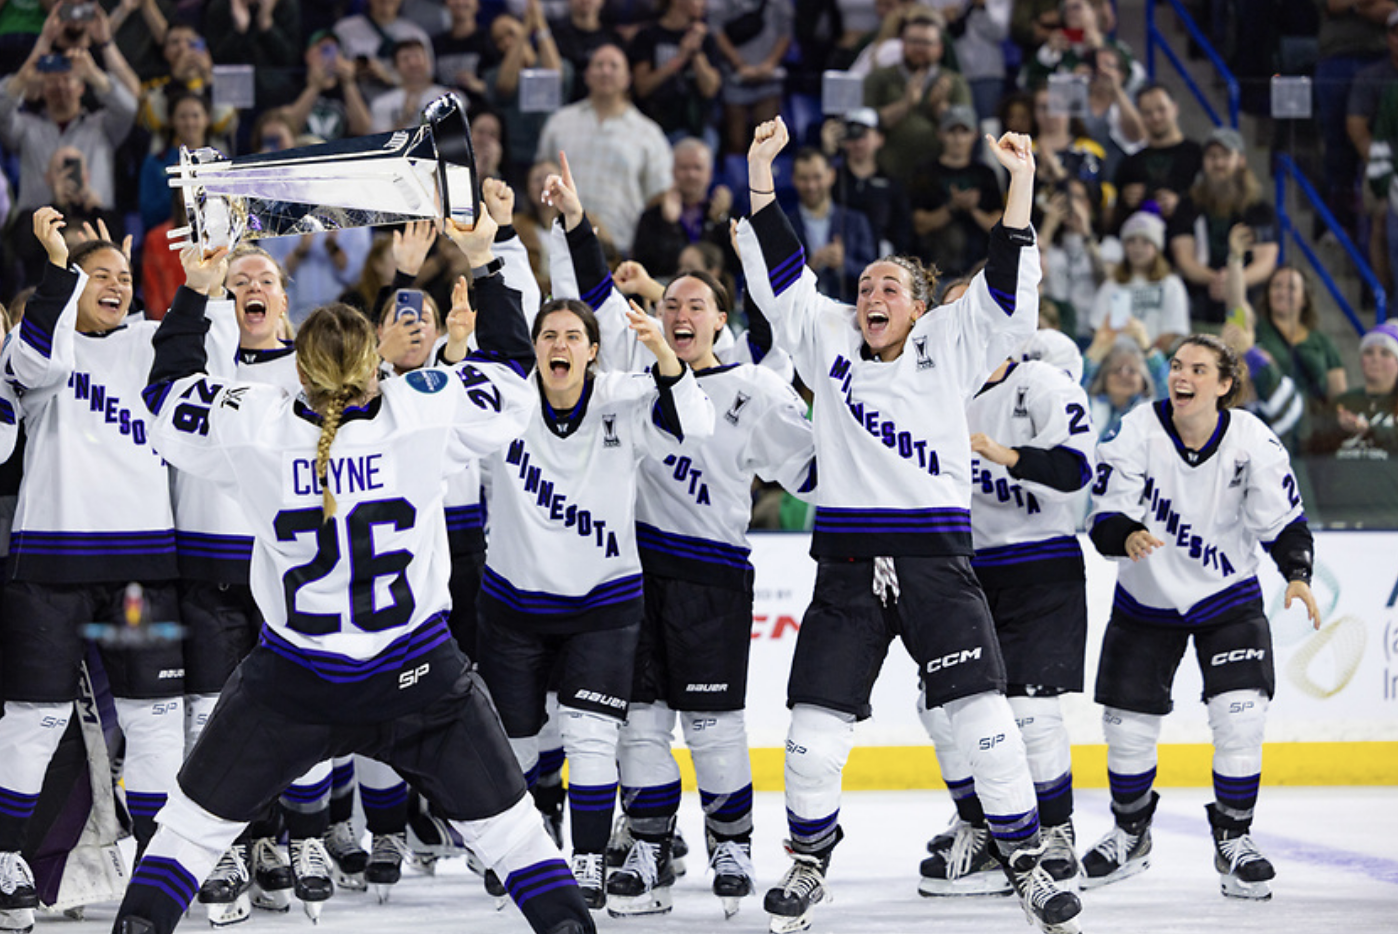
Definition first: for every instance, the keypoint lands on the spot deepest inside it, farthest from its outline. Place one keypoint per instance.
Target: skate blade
(1125, 872)
(676, 864)
(224, 914)
(655, 902)
(382, 891)
(351, 881)
(18, 920)
(789, 924)
(501, 901)
(275, 900)
(426, 863)
(981, 883)
(75, 914)
(731, 904)
(1233, 887)
(312, 910)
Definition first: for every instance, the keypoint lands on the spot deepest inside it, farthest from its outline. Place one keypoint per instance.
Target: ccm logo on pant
(953, 658)
(408, 678)
(1237, 655)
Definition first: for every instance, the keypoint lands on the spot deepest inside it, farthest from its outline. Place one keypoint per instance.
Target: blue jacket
(852, 227)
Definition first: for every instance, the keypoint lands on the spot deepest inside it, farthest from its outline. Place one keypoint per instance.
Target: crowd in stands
(1146, 234)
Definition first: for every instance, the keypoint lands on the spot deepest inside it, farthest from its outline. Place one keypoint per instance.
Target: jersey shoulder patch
(427, 381)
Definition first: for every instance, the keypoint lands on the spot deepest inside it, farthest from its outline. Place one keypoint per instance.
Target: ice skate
(347, 857)
(802, 888)
(271, 877)
(620, 841)
(134, 925)
(1243, 871)
(943, 841)
(1060, 854)
(734, 876)
(1122, 853)
(226, 889)
(641, 885)
(590, 872)
(966, 867)
(385, 866)
(679, 849)
(431, 839)
(310, 866)
(1047, 905)
(549, 801)
(496, 889)
(18, 897)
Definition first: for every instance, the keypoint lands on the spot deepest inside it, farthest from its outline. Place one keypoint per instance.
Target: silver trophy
(428, 172)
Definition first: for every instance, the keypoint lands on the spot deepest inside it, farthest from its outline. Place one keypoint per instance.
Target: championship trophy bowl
(424, 173)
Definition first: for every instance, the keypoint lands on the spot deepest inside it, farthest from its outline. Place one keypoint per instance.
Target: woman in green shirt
(1287, 330)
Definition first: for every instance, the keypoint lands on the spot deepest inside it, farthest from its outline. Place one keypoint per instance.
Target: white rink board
(1338, 685)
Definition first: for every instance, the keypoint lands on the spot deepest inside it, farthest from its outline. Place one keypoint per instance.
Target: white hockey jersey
(1211, 508)
(366, 591)
(891, 438)
(94, 504)
(695, 502)
(562, 554)
(212, 534)
(1024, 531)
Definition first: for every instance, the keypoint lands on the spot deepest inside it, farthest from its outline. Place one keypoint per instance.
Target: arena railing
(1157, 41)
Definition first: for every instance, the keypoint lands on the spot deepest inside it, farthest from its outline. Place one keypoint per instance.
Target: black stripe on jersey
(564, 423)
(1030, 563)
(782, 252)
(664, 414)
(589, 264)
(500, 327)
(759, 334)
(253, 355)
(179, 341)
(992, 383)
(45, 306)
(1110, 531)
(1165, 412)
(352, 414)
(1294, 551)
(1002, 265)
(1059, 468)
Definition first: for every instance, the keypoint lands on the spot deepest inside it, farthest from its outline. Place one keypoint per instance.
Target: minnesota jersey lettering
(685, 471)
(1180, 533)
(908, 447)
(557, 505)
(1002, 489)
(107, 404)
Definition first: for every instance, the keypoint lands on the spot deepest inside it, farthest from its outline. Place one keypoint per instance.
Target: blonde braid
(329, 426)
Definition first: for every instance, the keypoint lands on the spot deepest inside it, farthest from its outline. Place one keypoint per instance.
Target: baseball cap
(860, 121)
(959, 115)
(1227, 137)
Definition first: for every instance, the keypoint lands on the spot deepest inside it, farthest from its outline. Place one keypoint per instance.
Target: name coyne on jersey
(1210, 556)
(347, 475)
(908, 447)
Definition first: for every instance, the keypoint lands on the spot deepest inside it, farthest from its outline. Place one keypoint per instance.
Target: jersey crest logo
(427, 381)
(609, 438)
(1239, 468)
(1021, 408)
(740, 400)
(924, 362)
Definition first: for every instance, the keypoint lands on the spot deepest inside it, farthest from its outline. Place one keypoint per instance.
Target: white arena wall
(1334, 719)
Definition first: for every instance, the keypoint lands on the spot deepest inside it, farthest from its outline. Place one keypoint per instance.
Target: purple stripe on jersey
(308, 793)
(1063, 547)
(145, 803)
(1054, 788)
(341, 669)
(787, 272)
(1210, 608)
(830, 519)
(168, 876)
(17, 804)
(621, 590)
(7, 412)
(591, 797)
(551, 760)
(524, 884)
(383, 798)
(461, 518)
(342, 775)
(155, 396)
(208, 545)
(728, 806)
(36, 337)
(648, 537)
(595, 296)
(155, 542)
(1006, 300)
(1013, 827)
(1127, 787)
(811, 828)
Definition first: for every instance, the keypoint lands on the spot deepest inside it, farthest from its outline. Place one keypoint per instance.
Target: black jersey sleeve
(589, 264)
(1110, 532)
(1294, 551)
(1060, 468)
(179, 341)
(501, 332)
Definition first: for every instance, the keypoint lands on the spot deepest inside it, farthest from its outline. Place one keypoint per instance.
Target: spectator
(265, 35)
(978, 29)
(859, 184)
(837, 240)
(753, 37)
(190, 119)
(142, 37)
(1363, 425)
(73, 196)
(1088, 25)
(884, 47)
(1073, 263)
(464, 51)
(579, 35)
(402, 106)
(527, 44)
(64, 121)
(1351, 39)
(1032, 22)
(427, 14)
(1111, 116)
(1063, 147)
(1226, 194)
(331, 106)
(956, 199)
(1143, 287)
(686, 213)
(1166, 168)
(369, 38)
(677, 76)
(1288, 329)
(1121, 370)
(534, 218)
(21, 22)
(190, 69)
(488, 142)
(911, 98)
(619, 157)
(1373, 128)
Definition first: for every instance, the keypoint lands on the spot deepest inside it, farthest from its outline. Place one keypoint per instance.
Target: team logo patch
(609, 438)
(740, 400)
(1239, 469)
(233, 397)
(924, 361)
(427, 381)
(1021, 407)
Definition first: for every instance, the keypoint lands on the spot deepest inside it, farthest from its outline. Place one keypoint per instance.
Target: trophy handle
(451, 138)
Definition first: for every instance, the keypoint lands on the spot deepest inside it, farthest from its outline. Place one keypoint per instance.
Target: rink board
(1334, 720)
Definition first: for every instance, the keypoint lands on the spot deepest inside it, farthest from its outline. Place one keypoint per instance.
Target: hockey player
(893, 529)
(344, 486)
(1032, 444)
(564, 585)
(693, 507)
(93, 515)
(1187, 490)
